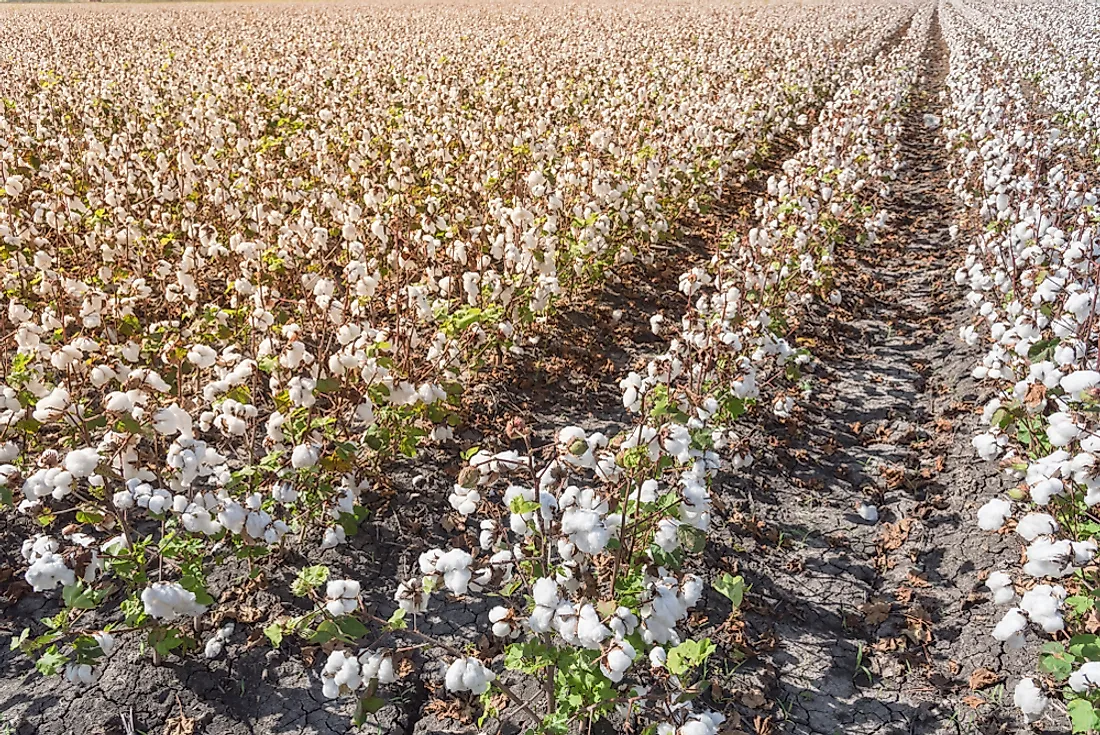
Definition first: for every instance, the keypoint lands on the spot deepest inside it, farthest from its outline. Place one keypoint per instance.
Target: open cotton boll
(1012, 623)
(1030, 700)
(170, 600)
(305, 455)
(47, 571)
(1000, 584)
(1034, 525)
(1043, 605)
(987, 446)
(464, 500)
(867, 512)
(342, 596)
(657, 657)
(1086, 677)
(376, 665)
(620, 655)
(1061, 429)
(500, 618)
(454, 565)
(704, 723)
(1078, 381)
(82, 462)
(468, 674)
(991, 516)
(1046, 558)
(80, 674)
(545, 593)
(341, 672)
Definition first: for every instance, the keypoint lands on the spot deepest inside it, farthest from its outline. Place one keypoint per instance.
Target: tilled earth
(851, 627)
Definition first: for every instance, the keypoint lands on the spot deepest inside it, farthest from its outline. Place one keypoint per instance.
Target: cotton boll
(468, 674)
(1034, 525)
(454, 565)
(1086, 677)
(1046, 558)
(1061, 429)
(991, 516)
(867, 512)
(47, 571)
(618, 658)
(342, 672)
(341, 596)
(1000, 584)
(1043, 605)
(1079, 380)
(82, 462)
(500, 618)
(80, 674)
(657, 657)
(169, 600)
(1030, 700)
(305, 455)
(1013, 622)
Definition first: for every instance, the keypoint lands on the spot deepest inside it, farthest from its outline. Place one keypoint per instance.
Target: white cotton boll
(169, 600)
(1079, 380)
(342, 596)
(500, 618)
(202, 356)
(8, 452)
(657, 657)
(991, 516)
(1043, 605)
(468, 674)
(48, 571)
(1061, 429)
(1034, 525)
(82, 462)
(119, 402)
(213, 648)
(1030, 700)
(1046, 558)
(455, 568)
(1086, 677)
(464, 500)
(1012, 623)
(333, 537)
(867, 512)
(666, 537)
(341, 672)
(1000, 584)
(80, 674)
(305, 455)
(1083, 551)
(590, 632)
(986, 446)
(106, 642)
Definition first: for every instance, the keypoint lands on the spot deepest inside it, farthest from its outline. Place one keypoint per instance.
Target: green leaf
(51, 662)
(309, 579)
(688, 655)
(350, 627)
(397, 620)
(1058, 664)
(1083, 715)
(274, 633)
(732, 588)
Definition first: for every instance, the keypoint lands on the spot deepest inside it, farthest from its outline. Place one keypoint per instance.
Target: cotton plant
(1030, 274)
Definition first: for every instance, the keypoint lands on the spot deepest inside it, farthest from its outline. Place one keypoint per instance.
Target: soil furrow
(874, 620)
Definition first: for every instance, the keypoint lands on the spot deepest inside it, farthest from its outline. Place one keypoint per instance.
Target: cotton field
(466, 366)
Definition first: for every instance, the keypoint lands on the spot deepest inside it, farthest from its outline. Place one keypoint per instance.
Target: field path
(879, 625)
